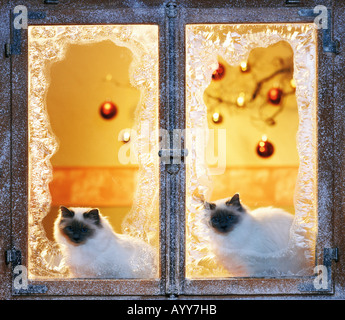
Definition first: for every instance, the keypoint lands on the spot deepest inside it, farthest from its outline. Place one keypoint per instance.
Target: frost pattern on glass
(46, 45)
(204, 43)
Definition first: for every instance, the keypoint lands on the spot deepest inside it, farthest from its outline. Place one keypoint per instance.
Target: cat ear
(209, 205)
(235, 200)
(93, 215)
(66, 213)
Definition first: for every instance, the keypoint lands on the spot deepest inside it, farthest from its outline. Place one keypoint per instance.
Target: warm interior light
(126, 136)
(241, 99)
(48, 46)
(244, 66)
(217, 117)
(203, 44)
(293, 83)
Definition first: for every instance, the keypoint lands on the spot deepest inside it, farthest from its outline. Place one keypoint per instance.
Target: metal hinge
(292, 3)
(14, 47)
(326, 285)
(171, 9)
(14, 257)
(172, 154)
(172, 158)
(329, 45)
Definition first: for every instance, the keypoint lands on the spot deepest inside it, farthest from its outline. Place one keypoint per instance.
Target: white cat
(252, 243)
(91, 248)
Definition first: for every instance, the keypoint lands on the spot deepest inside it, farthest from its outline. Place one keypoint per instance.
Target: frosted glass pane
(78, 158)
(207, 253)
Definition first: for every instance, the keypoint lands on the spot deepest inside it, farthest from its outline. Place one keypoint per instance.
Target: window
(75, 146)
(221, 40)
(152, 114)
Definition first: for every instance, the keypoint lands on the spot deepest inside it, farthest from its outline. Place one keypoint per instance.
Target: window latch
(329, 45)
(172, 158)
(322, 281)
(14, 47)
(19, 275)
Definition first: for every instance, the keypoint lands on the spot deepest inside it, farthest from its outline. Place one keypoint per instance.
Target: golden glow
(204, 42)
(215, 117)
(244, 66)
(107, 106)
(241, 99)
(293, 83)
(264, 137)
(46, 46)
(126, 136)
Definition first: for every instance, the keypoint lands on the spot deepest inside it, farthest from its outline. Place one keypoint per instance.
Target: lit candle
(241, 99)
(126, 136)
(244, 66)
(217, 117)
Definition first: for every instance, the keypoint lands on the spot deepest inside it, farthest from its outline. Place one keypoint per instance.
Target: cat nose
(223, 227)
(76, 237)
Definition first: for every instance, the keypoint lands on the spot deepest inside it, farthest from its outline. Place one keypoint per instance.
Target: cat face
(225, 216)
(79, 225)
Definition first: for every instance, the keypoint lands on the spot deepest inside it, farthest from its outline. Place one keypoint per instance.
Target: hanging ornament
(244, 66)
(264, 149)
(108, 110)
(219, 73)
(275, 95)
(217, 117)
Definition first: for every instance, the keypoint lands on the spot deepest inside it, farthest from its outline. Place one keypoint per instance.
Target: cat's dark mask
(224, 219)
(76, 231)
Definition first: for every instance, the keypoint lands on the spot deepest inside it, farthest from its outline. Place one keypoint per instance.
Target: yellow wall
(243, 129)
(78, 87)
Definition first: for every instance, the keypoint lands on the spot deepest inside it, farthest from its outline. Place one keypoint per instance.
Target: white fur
(106, 254)
(258, 245)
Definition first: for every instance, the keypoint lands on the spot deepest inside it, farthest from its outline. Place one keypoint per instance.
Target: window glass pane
(93, 146)
(251, 124)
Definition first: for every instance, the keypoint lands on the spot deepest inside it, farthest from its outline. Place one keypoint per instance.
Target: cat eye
(84, 230)
(215, 219)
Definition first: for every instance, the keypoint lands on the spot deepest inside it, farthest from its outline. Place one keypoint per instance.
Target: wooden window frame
(300, 285)
(20, 191)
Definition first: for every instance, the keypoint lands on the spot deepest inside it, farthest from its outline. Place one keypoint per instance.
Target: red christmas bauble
(219, 73)
(264, 149)
(275, 95)
(108, 110)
